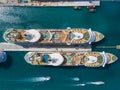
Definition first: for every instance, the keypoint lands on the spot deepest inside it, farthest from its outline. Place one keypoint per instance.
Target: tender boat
(3, 56)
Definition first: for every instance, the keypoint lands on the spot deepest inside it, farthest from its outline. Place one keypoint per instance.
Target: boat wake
(76, 79)
(36, 79)
(86, 83)
(91, 83)
(96, 83)
(30, 80)
(40, 79)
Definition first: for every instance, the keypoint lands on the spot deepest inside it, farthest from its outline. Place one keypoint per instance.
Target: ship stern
(5, 35)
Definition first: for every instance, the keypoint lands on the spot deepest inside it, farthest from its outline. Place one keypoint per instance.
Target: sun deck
(62, 36)
(97, 63)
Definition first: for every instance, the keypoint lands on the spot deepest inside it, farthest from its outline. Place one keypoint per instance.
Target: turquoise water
(17, 74)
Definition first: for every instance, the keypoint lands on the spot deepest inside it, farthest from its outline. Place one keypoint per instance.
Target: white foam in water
(5, 17)
(92, 83)
(76, 79)
(40, 79)
(33, 79)
(96, 83)
(10, 19)
(81, 84)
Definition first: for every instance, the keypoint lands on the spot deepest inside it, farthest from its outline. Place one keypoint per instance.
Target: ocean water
(16, 74)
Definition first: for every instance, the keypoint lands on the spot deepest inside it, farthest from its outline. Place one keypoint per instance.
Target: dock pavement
(50, 3)
(26, 47)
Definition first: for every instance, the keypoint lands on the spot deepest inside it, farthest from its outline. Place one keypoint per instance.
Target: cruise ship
(53, 36)
(88, 59)
(3, 57)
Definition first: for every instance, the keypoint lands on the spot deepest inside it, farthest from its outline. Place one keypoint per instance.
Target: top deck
(49, 2)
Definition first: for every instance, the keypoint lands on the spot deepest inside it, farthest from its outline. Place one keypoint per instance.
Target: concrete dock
(50, 3)
(16, 47)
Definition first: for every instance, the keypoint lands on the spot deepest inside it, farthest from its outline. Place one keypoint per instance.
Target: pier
(50, 3)
(110, 47)
(17, 47)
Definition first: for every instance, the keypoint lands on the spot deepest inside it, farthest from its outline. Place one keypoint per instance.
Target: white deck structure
(32, 35)
(15, 47)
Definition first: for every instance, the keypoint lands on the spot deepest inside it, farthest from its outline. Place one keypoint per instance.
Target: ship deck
(35, 47)
(50, 3)
(53, 36)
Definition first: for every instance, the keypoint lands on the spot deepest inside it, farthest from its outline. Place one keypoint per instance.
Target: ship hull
(87, 59)
(53, 36)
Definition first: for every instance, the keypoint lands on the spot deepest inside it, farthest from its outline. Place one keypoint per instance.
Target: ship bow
(99, 36)
(112, 59)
